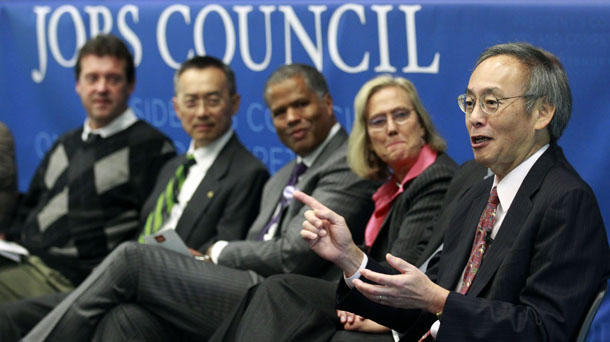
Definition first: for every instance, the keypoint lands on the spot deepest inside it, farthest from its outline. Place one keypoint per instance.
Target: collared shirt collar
(510, 184)
(209, 151)
(122, 122)
(311, 158)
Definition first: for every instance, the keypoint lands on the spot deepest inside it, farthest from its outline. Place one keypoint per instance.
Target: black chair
(586, 324)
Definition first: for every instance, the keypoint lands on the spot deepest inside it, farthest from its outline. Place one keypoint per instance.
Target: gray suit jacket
(331, 182)
(225, 202)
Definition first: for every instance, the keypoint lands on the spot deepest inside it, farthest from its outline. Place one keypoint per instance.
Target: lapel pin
(210, 194)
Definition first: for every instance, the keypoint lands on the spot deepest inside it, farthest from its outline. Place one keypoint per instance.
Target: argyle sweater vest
(85, 198)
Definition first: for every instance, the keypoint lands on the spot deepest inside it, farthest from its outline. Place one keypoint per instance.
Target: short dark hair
(314, 79)
(202, 62)
(546, 79)
(107, 45)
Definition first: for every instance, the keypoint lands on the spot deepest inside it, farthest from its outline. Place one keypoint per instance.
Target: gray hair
(547, 79)
(313, 78)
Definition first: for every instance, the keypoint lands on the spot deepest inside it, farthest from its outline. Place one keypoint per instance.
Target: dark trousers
(289, 307)
(190, 295)
(18, 317)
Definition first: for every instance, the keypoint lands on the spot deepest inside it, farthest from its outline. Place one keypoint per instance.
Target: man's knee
(284, 278)
(126, 254)
(283, 281)
(125, 248)
(131, 322)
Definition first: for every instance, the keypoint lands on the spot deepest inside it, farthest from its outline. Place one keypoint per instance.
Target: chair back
(586, 324)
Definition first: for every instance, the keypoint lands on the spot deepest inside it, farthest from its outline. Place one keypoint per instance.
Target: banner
(434, 44)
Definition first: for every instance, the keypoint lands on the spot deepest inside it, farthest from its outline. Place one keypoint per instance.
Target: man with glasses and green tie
(527, 249)
(208, 194)
(211, 192)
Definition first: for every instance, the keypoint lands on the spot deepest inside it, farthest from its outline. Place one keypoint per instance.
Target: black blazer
(225, 202)
(538, 277)
(408, 226)
(468, 174)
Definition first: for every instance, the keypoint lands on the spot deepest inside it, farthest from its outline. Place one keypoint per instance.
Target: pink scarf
(385, 195)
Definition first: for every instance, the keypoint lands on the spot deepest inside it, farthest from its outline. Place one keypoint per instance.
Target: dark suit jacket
(538, 277)
(408, 226)
(8, 177)
(330, 180)
(469, 173)
(432, 231)
(225, 202)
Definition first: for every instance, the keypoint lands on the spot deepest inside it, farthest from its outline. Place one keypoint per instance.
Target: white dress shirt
(204, 158)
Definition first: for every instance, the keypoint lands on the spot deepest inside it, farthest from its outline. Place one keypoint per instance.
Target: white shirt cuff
(356, 275)
(434, 329)
(216, 249)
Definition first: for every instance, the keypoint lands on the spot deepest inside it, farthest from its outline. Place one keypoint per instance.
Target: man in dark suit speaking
(195, 296)
(527, 249)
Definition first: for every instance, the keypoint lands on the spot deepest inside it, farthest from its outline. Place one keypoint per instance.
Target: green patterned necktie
(167, 199)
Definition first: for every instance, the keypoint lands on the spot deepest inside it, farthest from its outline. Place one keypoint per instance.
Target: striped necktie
(285, 199)
(481, 240)
(167, 199)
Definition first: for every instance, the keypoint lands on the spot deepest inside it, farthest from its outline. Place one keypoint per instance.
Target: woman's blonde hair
(361, 157)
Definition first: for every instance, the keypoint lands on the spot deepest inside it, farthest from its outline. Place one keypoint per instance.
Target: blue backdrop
(433, 43)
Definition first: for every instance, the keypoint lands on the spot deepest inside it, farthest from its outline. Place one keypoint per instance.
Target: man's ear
(544, 113)
(235, 102)
(328, 102)
(175, 103)
(131, 87)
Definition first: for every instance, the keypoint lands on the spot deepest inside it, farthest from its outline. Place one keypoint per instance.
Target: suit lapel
(456, 259)
(210, 185)
(305, 183)
(513, 221)
(271, 197)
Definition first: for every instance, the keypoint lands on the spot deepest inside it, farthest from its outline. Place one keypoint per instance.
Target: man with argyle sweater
(85, 197)
(210, 193)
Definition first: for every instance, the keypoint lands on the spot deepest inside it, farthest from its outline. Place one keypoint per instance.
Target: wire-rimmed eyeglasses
(489, 103)
(399, 116)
